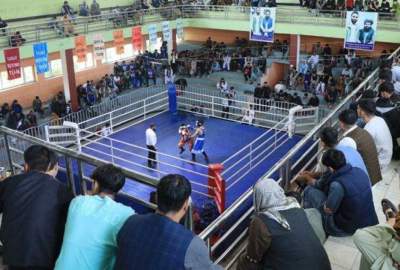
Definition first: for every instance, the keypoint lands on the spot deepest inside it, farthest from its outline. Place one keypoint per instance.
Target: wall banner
(80, 48)
(137, 38)
(360, 30)
(99, 47)
(119, 41)
(152, 29)
(166, 31)
(262, 24)
(40, 54)
(13, 63)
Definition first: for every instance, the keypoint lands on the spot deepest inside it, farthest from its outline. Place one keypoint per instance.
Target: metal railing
(284, 168)
(98, 113)
(52, 29)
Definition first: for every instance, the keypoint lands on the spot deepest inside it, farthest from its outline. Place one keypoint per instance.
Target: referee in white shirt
(151, 141)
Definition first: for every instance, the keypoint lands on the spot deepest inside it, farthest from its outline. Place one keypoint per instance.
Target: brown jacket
(367, 149)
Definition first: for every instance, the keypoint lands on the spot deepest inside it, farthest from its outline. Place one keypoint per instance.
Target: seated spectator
(83, 9)
(106, 130)
(17, 40)
(280, 235)
(380, 245)
(95, 8)
(37, 105)
(347, 71)
(222, 85)
(329, 140)
(249, 115)
(3, 25)
(34, 206)
(385, 7)
(344, 198)
(314, 101)
(66, 9)
(360, 139)
(31, 118)
(331, 96)
(99, 218)
(387, 106)
(379, 131)
(396, 73)
(174, 246)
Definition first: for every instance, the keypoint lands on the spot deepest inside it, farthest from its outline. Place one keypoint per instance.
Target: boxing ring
(239, 153)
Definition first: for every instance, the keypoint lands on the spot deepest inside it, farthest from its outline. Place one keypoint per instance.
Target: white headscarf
(269, 199)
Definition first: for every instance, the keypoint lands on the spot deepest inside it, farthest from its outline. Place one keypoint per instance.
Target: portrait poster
(360, 32)
(262, 24)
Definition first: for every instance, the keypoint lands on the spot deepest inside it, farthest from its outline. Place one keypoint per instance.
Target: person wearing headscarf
(280, 236)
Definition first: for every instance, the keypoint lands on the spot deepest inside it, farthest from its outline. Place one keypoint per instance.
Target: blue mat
(223, 139)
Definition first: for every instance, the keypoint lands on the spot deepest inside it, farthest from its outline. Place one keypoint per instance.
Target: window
(89, 63)
(27, 77)
(55, 69)
(112, 56)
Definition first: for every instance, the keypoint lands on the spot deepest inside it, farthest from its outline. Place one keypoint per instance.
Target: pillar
(294, 50)
(174, 45)
(70, 91)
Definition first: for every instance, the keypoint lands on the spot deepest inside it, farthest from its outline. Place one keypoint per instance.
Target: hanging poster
(360, 31)
(179, 29)
(166, 31)
(40, 54)
(99, 47)
(13, 63)
(80, 48)
(152, 29)
(137, 38)
(119, 41)
(262, 24)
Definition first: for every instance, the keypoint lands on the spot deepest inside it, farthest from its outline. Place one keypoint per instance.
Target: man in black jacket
(34, 206)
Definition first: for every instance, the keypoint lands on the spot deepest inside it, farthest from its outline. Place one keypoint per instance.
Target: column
(70, 91)
(294, 50)
(174, 39)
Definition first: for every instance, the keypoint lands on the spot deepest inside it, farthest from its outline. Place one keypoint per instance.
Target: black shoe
(182, 150)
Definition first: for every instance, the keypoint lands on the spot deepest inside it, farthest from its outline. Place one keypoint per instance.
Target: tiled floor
(341, 251)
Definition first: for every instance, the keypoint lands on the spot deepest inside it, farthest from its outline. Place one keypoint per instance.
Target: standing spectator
(83, 9)
(151, 141)
(3, 25)
(247, 72)
(379, 131)
(34, 206)
(67, 26)
(37, 106)
(280, 235)
(95, 8)
(16, 107)
(172, 246)
(360, 139)
(99, 249)
(313, 60)
(344, 198)
(66, 9)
